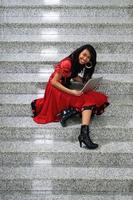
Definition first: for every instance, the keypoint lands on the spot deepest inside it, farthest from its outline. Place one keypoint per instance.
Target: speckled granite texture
(45, 162)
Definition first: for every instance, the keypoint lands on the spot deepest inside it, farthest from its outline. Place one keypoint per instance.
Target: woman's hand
(77, 92)
(55, 82)
(78, 79)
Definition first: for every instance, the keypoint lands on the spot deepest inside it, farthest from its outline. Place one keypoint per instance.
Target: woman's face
(84, 57)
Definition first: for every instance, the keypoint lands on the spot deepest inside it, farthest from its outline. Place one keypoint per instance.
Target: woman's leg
(86, 117)
(84, 132)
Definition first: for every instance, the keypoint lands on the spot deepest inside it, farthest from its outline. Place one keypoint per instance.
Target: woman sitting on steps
(59, 98)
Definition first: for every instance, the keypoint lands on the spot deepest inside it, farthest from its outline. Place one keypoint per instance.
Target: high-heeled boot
(66, 114)
(85, 138)
(33, 108)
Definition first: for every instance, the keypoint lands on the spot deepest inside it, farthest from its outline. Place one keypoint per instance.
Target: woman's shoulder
(66, 62)
(64, 66)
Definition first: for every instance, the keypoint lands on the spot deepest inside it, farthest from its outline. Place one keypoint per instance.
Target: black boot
(66, 114)
(33, 108)
(85, 138)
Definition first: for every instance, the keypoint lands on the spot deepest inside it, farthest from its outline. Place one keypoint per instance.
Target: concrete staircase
(45, 161)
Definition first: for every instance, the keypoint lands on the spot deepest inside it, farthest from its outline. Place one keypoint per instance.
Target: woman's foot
(33, 107)
(85, 138)
(66, 114)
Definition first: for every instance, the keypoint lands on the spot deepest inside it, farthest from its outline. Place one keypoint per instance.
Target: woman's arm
(55, 82)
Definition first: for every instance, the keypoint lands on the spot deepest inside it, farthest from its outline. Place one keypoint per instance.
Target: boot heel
(85, 138)
(63, 123)
(80, 141)
(33, 108)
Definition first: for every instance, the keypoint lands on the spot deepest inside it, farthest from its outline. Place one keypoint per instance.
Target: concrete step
(66, 20)
(60, 38)
(66, 29)
(40, 196)
(102, 128)
(72, 179)
(19, 105)
(25, 110)
(35, 83)
(63, 44)
(44, 161)
(44, 67)
(67, 3)
(66, 12)
(50, 196)
(15, 99)
(54, 56)
(41, 152)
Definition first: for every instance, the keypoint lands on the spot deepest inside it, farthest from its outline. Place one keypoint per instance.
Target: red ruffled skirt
(46, 109)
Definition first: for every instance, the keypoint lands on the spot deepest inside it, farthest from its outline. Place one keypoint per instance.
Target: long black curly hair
(89, 67)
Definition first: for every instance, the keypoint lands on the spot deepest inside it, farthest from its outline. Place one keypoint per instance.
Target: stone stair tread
(51, 172)
(75, 3)
(91, 29)
(49, 196)
(67, 38)
(68, 147)
(24, 77)
(46, 48)
(60, 12)
(27, 98)
(45, 161)
(99, 122)
(36, 67)
(43, 77)
(66, 20)
(55, 57)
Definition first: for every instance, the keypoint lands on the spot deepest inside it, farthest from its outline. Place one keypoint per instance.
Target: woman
(59, 98)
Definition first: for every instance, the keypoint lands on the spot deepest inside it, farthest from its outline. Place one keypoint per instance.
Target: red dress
(55, 100)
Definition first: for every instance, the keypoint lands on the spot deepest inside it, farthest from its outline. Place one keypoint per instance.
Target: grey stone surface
(77, 29)
(54, 56)
(35, 83)
(51, 146)
(27, 98)
(48, 196)
(65, 44)
(66, 20)
(78, 186)
(2, 185)
(102, 3)
(43, 77)
(99, 133)
(67, 12)
(42, 152)
(76, 179)
(109, 122)
(102, 129)
(42, 67)
(14, 108)
(20, 104)
(46, 157)
(65, 173)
